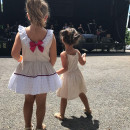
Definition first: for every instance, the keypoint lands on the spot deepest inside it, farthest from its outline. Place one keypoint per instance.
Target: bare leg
(28, 109)
(84, 99)
(41, 108)
(63, 105)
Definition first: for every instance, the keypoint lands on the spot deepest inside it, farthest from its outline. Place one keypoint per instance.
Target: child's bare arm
(82, 58)
(16, 48)
(53, 52)
(64, 61)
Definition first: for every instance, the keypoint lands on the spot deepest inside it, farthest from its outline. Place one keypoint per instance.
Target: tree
(127, 37)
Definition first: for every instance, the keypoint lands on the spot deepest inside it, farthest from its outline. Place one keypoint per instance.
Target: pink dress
(35, 75)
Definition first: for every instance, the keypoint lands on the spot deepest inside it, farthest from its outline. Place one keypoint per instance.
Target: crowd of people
(10, 31)
(90, 28)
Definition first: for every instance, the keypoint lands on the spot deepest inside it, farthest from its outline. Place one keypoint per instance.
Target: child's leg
(84, 99)
(41, 108)
(28, 109)
(63, 105)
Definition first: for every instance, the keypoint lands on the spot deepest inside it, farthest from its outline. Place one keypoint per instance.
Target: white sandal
(58, 116)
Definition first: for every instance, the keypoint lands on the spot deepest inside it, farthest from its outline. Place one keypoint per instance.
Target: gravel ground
(107, 79)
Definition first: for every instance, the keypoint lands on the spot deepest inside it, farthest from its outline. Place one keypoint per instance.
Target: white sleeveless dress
(35, 75)
(72, 81)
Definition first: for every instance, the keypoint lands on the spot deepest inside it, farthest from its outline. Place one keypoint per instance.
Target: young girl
(35, 76)
(73, 84)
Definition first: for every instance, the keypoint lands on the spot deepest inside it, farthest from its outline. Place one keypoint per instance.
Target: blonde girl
(34, 76)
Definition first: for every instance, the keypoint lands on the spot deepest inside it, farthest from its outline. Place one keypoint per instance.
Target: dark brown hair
(69, 36)
(37, 10)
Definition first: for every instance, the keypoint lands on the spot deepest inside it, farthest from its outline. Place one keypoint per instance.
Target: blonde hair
(70, 36)
(37, 10)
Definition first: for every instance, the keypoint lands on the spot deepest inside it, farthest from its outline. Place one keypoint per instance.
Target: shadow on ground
(82, 123)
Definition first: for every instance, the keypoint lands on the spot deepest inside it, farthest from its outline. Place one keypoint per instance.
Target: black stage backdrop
(111, 14)
(13, 11)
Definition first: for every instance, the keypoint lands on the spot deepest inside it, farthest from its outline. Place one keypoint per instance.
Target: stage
(110, 14)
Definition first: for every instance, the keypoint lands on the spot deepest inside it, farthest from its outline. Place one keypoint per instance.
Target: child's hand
(20, 59)
(84, 55)
(57, 72)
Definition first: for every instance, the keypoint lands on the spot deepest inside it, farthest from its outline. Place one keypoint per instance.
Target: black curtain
(99, 10)
(0, 13)
(120, 13)
(61, 7)
(13, 11)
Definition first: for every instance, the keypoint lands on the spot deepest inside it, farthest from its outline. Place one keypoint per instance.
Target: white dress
(35, 75)
(72, 80)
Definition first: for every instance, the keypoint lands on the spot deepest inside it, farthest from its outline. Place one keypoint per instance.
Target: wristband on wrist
(20, 59)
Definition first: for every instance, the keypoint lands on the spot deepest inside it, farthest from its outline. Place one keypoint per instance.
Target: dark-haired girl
(73, 84)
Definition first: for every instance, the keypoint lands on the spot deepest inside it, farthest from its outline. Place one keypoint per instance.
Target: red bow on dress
(33, 46)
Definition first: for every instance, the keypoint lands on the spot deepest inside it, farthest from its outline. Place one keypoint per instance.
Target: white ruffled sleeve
(23, 35)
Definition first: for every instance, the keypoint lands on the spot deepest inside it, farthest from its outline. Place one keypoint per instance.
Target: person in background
(80, 29)
(65, 26)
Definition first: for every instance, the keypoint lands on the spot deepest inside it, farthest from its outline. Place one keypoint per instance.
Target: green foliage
(1, 4)
(127, 37)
